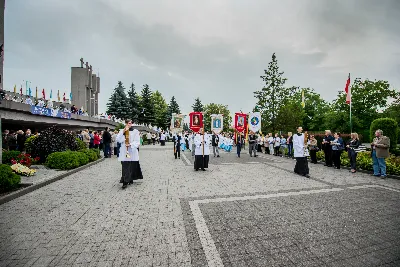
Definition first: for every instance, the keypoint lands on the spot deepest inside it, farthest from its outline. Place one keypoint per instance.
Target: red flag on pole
(64, 97)
(44, 94)
(347, 89)
(20, 90)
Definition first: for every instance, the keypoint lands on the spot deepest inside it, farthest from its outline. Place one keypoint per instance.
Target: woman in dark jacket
(352, 147)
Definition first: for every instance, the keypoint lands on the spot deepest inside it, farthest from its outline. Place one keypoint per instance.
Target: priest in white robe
(202, 151)
(299, 146)
(129, 154)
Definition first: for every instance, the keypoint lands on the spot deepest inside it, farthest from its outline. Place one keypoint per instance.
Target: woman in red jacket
(96, 141)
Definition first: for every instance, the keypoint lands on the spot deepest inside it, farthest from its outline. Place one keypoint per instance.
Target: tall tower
(2, 7)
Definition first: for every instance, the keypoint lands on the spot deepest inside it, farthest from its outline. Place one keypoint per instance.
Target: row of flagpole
(29, 93)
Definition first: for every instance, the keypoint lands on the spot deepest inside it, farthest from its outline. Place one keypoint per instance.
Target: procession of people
(299, 146)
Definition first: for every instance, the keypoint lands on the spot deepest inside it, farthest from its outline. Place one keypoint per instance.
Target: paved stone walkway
(240, 212)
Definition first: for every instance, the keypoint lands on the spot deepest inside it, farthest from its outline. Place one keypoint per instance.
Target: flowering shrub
(22, 170)
(364, 161)
(52, 140)
(25, 159)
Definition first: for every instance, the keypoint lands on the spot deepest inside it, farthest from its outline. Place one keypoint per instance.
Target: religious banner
(50, 112)
(196, 121)
(240, 122)
(254, 122)
(177, 122)
(217, 124)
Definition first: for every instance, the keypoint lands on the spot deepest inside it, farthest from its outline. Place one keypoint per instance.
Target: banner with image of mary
(254, 121)
(217, 123)
(177, 122)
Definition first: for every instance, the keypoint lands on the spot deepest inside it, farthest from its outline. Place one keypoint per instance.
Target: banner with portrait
(217, 123)
(177, 122)
(196, 121)
(240, 122)
(254, 122)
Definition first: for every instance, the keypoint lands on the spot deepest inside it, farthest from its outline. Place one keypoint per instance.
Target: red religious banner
(240, 122)
(196, 121)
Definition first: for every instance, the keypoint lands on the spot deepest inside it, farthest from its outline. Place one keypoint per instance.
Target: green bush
(144, 139)
(66, 160)
(29, 145)
(92, 155)
(97, 151)
(389, 127)
(9, 155)
(80, 144)
(82, 157)
(8, 179)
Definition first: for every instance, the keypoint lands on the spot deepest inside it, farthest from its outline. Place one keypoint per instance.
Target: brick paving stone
(86, 219)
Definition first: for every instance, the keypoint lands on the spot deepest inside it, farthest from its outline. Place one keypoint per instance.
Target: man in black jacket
(177, 145)
(106, 143)
(214, 142)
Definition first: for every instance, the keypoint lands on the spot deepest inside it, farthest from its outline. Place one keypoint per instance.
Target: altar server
(299, 145)
(202, 151)
(129, 154)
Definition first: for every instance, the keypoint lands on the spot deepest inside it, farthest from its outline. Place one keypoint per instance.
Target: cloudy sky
(212, 49)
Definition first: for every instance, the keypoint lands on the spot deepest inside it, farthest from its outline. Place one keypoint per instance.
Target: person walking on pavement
(215, 141)
(252, 144)
(107, 143)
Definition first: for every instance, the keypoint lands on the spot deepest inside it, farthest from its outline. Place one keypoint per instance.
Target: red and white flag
(64, 99)
(347, 89)
(43, 94)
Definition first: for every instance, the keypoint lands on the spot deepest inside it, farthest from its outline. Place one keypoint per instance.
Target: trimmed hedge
(8, 179)
(66, 160)
(9, 155)
(92, 154)
(389, 127)
(97, 151)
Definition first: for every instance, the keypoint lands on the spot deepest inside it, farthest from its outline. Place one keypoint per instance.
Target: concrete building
(85, 87)
(2, 7)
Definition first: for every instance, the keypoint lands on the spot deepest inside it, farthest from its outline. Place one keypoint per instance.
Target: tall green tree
(160, 109)
(173, 107)
(133, 104)
(367, 98)
(273, 95)
(290, 116)
(146, 115)
(213, 108)
(314, 111)
(118, 103)
(198, 106)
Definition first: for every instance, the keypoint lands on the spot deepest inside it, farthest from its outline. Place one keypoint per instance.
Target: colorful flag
(303, 103)
(254, 121)
(44, 94)
(29, 92)
(15, 89)
(64, 97)
(347, 89)
(20, 90)
(51, 93)
(70, 96)
(58, 95)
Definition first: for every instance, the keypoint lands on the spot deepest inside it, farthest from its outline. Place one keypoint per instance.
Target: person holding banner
(202, 151)
(239, 141)
(252, 144)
